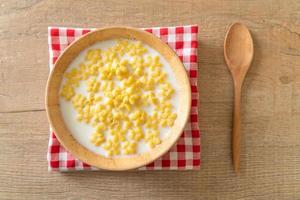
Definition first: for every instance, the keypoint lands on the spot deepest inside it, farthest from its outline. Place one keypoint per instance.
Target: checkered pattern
(186, 153)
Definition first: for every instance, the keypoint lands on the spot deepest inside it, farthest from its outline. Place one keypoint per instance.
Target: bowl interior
(56, 119)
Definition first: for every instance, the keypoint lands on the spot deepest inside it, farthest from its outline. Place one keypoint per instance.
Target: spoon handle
(236, 132)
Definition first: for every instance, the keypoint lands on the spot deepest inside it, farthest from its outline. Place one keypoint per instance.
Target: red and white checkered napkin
(186, 153)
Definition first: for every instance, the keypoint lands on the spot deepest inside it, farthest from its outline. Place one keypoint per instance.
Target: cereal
(152, 138)
(97, 138)
(129, 147)
(117, 111)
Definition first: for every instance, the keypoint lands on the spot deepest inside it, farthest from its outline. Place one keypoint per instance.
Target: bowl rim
(82, 156)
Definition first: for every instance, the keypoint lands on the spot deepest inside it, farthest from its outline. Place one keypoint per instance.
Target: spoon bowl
(238, 50)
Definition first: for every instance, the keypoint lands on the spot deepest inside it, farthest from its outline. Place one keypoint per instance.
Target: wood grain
(270, 111)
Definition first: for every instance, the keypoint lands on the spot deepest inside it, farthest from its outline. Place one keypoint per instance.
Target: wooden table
(270, 167)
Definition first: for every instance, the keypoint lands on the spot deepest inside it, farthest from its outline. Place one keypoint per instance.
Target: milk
(82, 131)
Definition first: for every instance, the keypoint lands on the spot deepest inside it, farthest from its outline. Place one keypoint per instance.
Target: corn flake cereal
(117, 111)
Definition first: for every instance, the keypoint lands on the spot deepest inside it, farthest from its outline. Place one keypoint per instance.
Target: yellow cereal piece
(118, 135)
(133, 99)
(163, 123)
(165, 106)
(156, 61)
(112, 147)
(79, 101)
(85, 75)
(93, 99)
(118, 116)
(139, 71)
(107, 86)
(98, 98)
(101, 127)
(167, 118)
(109, 55)
(107, 73)
(136, 134)
(152, 138)
(147, 61)
(151, 98)
(129, 147)
(74, 81)
(81, 116)
(93, 54)
(108, 119)
(161, 78)
(97, 138)
(152, 121)
(125, 106)
(121, 47)
(67, 92)
(129, 81)
(121, 72)
(73, 77)
(93, 85)
(147, 83)
(116, 92)
(137, 62)
(171, 118)
(73, 72)
(153, 63)
(139, 117)
(82, 68)
(166, 91)
(136, 49)
(94, 69)
(127, 124)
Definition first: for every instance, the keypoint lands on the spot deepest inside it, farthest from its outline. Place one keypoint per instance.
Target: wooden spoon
(238, 52)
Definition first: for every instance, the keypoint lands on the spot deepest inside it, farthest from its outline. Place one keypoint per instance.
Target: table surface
(270, 160)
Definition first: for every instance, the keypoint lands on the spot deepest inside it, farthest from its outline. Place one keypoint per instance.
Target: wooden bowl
(56, 119)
